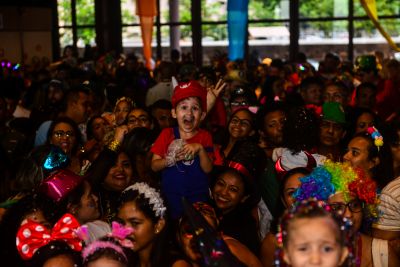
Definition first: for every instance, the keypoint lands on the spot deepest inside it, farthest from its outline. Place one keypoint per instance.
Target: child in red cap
(184, 153)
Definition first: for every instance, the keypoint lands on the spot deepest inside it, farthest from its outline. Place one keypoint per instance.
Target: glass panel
(367, 39)
(85, 12)
(384, 8)
(64, 13)
(318, 30)
(184, 11)
(131, 36)
(318, 38)
(86, 36)
(128, 12)
(65, 37)
(269, 40)
(212, 10)
(214, 32)
(164, 11)
(263, 9)
(323, 8)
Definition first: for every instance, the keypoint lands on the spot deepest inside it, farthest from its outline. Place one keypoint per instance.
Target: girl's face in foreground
(314, 242)
(145, 230)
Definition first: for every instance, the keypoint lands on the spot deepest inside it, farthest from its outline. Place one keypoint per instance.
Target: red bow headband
(31, 235)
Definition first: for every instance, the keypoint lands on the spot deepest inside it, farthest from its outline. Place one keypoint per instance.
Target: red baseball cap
(190, 89)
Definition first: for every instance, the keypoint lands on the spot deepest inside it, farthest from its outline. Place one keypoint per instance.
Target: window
(76, 22)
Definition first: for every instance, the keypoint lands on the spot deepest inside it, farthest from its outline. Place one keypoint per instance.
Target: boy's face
(189, 114)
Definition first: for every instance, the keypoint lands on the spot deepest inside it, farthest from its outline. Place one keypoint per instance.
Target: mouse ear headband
(32, 235)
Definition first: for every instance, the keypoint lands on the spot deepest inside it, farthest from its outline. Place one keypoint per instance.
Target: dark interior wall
(26, 30)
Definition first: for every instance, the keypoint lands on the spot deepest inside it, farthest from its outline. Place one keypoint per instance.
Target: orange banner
(147, 8)
(146, 25)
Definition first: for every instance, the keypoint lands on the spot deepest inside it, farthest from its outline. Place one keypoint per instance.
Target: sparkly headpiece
(310, 208)
(331, 178)
(376, 135)
(154, 197)
(124, 98)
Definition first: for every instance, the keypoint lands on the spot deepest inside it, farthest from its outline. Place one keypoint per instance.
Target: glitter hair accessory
(153, 197)
(376, 135)
(126, 99)
(97, 245)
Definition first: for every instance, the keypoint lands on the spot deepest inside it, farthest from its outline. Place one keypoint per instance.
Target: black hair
(300, 132)
(365, 85)
(252, 157)
(52, 250)
(89, 126)
(108, 253)
(137, 143)
(310, 209)
(382, 173)
(160, 252)
(264, 110)
(290, 173)
(307, 82)
(11, 222)
(73, 96)
(31, 172)
(161, 104)
(356, 113)
(77, 132)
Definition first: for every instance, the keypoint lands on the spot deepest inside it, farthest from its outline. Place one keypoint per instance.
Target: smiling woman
(143, 209)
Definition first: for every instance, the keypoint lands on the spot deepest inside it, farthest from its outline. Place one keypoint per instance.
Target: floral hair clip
(376, 135)
(153, 197)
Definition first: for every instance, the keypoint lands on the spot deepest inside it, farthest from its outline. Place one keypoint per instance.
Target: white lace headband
(152, 195)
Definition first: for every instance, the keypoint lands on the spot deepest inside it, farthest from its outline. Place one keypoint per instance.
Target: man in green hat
(332, 130)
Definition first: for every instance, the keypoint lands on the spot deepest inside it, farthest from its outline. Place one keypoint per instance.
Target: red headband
(240, 168)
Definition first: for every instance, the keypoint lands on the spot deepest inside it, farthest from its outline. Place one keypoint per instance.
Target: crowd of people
(105, 163)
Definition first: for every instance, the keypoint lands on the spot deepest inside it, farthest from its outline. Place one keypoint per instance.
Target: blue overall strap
(176, 133)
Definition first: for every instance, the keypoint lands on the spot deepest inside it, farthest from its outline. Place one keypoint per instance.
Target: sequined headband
(154, 198)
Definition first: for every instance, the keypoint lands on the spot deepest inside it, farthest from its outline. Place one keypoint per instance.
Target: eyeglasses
(243, 123)
(354, 206)
(141, 119)
(60, 134)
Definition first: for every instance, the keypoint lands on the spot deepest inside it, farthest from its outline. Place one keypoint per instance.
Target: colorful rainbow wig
(332, 178)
